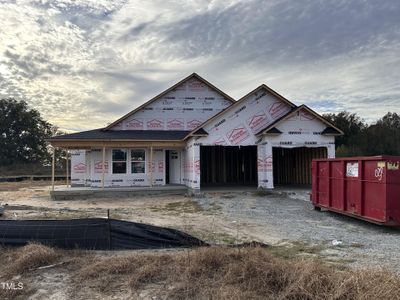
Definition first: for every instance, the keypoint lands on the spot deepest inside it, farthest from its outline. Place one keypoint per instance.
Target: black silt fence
(96, 234)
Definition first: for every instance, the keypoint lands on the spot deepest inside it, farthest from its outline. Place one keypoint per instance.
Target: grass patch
(202, 273)
(215, 237)
(29, 257)
(295, 249)
(228, 196)
(262, 193)
(357, 245)
(188, 206)
(19, 263)
(224, 273)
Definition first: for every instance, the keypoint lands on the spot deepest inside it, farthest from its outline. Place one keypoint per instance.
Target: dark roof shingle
(100, 134)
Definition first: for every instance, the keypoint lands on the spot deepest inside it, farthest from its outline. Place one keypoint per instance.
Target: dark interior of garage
(292, 166)
(228, 165)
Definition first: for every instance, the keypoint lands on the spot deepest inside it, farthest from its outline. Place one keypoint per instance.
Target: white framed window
(119, 161)
(138, 161)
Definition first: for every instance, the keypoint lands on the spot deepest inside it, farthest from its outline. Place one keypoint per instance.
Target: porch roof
(119, 138)
(139, 135)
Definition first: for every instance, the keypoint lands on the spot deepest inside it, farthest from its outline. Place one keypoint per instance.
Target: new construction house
(195, 135)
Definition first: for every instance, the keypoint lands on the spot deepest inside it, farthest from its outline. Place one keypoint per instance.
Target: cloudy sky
(85, 63)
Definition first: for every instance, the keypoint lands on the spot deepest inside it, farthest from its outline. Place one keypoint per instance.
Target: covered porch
(122, 166)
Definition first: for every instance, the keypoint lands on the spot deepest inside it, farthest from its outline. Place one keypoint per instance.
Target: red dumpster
(364, 187)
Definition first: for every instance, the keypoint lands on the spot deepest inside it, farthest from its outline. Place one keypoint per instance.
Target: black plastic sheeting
(96, 234)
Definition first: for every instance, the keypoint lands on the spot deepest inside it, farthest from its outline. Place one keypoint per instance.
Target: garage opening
(293, 165)
(228, 165)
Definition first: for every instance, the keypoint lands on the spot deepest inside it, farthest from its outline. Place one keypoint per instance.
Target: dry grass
(248, 273)
(204, 273)
(16, 263)
(30, 257)
(15, 186)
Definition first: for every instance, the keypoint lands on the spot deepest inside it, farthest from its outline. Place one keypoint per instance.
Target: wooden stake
(103, 167)
(53, 167)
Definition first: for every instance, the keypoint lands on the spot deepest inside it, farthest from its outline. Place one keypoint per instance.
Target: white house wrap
(196, 135)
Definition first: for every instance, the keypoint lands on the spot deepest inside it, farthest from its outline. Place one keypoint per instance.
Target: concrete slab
(82, 193)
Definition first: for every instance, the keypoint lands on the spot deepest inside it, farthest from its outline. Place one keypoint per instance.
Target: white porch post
(66, 167)
(53, 164)
(151, 165)
(269, 166)
(103, 167)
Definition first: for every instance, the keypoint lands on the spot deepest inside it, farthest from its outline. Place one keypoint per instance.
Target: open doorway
(173, 167)
(292, 166)
(228, 166)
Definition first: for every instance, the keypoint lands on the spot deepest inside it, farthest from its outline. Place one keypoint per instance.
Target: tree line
(362, 139)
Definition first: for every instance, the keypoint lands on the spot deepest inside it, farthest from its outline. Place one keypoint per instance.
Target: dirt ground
(283, 218)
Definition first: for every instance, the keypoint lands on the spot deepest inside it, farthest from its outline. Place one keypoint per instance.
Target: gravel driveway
(287, 216)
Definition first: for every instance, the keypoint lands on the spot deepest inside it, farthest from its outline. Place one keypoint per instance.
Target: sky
(84, 64)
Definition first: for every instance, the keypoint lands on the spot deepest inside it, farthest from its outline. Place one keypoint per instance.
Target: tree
(22, 133)
(383, 137)
(353, 127)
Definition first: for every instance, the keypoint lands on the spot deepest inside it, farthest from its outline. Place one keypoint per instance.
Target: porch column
(66, 167)
(53, 164)
(269, 164)
(196, 167)
(331, 150)
(151, 165)
(103, 167)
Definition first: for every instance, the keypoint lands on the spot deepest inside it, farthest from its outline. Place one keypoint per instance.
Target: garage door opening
(228, 165)
(292, 166)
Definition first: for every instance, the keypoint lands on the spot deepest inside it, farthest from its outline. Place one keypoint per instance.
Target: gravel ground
(286, 216)
(283, 217)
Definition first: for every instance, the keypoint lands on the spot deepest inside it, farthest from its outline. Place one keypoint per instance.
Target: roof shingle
(100, 134)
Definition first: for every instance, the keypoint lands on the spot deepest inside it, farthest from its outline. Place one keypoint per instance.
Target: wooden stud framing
(103, 167)
(151, 165)
(53, 168)
(67, 167)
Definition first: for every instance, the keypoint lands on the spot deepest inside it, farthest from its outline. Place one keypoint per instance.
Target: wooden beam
(103, 167)
(151, 165)
(53, 168)
(67, 166)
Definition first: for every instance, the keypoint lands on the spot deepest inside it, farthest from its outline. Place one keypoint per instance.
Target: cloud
(84, 64)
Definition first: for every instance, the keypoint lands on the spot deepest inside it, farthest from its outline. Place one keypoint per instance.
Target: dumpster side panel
(337, 185)
(323, 183)
(374, 194)
(393, 190)
(352, 187)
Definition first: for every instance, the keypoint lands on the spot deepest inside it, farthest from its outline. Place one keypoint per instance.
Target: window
(119, 161)
(138, 161)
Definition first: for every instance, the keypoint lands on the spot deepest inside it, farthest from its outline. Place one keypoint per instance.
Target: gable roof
(262, 86)
(332, 131)
(273, 131)
(193, 75)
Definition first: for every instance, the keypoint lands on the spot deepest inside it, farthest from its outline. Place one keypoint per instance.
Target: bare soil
(283, 219)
